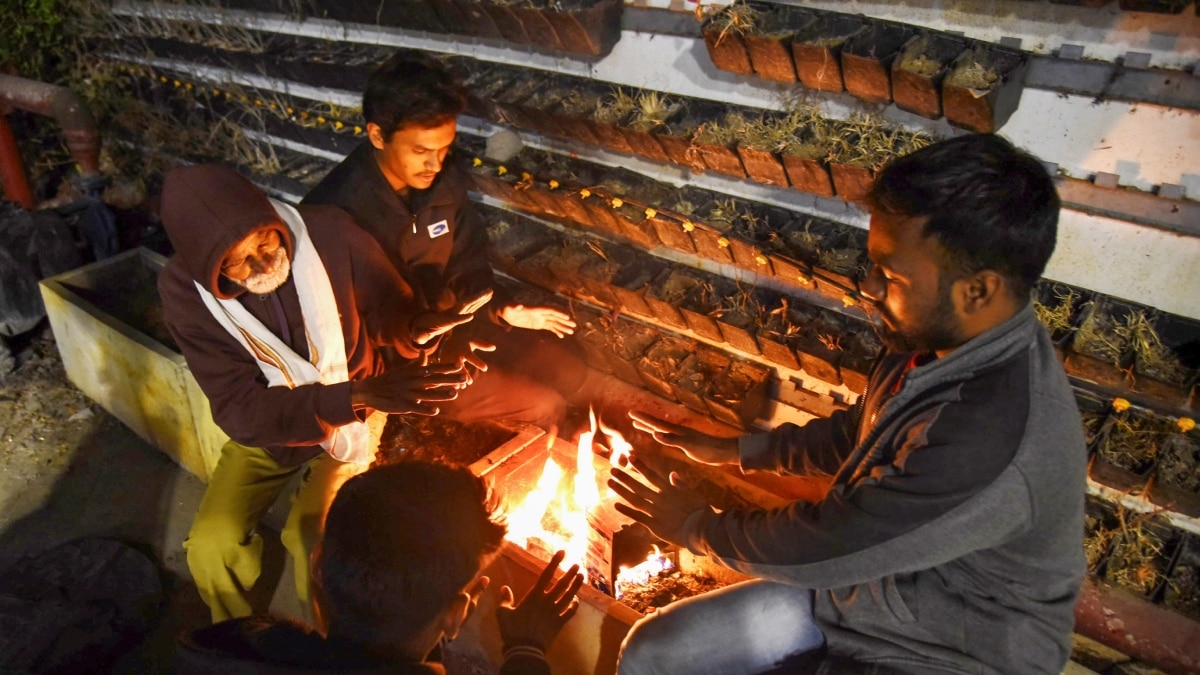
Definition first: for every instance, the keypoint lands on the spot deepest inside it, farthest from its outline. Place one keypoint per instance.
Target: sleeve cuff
(333, 405)
(754, 452)
(693, 531)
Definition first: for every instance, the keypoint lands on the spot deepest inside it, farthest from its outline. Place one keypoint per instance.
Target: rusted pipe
(12, 172)
(78, 127)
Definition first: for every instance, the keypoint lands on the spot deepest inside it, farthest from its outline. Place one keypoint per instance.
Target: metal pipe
(72, 115)
(12, 172)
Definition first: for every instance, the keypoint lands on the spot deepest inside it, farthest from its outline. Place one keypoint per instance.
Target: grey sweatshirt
(952, 537)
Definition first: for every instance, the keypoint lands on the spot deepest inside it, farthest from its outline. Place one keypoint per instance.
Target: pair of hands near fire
(664, 503)
(538, 318)
(542, 613)
(416, 388)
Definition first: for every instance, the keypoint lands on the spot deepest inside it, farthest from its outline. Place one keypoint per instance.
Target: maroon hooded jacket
(206, 210)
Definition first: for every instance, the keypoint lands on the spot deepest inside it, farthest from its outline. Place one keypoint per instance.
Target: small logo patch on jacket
(438, 229)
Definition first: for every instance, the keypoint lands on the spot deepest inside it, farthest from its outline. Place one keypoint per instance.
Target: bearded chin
(261, 284)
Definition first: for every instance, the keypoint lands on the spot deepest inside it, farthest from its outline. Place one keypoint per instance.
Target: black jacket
(436, 239)
(262, 645)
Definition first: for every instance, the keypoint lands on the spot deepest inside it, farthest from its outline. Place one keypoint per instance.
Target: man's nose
(873, 286)
(261, 263)
(433, 163)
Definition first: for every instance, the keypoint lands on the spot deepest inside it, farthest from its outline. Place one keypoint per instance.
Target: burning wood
(574, 510)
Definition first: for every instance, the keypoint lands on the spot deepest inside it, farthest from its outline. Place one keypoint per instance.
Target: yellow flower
(804, 279)
(688, 226)
(650, 213)
(848, 300)
(320, 120)
(1186, 424)
(617, 203)
(526, 176)
(477, 162)
(163, 78)
(585, 193)
(177, 83)
(188, 86)
(216, 92)
(723, 242)
(357, 130)
(760, 259)
(291, 111)
(501, 170)
(553, 184)
(1120, 405)
(258, 102)
(338, 125)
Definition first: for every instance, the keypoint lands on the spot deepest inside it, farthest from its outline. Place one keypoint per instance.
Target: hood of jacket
(206, 211)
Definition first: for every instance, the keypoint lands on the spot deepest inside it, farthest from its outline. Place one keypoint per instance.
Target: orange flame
(555, 513)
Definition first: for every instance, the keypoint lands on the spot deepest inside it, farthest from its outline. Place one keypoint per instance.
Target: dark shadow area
(117, 486)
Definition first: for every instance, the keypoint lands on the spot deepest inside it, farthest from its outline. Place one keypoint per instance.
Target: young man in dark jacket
(280, 313)
(397, 572)
(403, 189)
(951, 538)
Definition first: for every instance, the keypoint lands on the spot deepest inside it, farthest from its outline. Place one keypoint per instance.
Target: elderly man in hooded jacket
(281, 314)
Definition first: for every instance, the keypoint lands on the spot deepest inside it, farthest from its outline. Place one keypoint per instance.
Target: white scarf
(322, 326)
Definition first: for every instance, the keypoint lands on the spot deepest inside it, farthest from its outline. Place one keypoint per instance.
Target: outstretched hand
(699, 446)
(544, 610)
(663, 506)
(410, 388)
(538, 318)
(429, 325)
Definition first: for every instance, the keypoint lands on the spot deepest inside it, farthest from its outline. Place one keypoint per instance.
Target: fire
(564, 511)
(639, 575)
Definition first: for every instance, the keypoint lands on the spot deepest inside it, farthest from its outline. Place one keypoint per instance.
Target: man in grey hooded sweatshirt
(950, 540)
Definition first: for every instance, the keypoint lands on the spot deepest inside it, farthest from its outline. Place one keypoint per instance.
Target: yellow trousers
(224, 552)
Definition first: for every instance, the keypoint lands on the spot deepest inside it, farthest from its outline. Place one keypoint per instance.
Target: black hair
(412, 89)
(401, 542)
(990, 205)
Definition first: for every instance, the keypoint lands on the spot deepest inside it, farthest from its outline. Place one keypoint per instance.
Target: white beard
(261, 284)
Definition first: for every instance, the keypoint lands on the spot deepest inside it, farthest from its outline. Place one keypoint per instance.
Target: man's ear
(375, 135)
(980, 290)
(455, 615)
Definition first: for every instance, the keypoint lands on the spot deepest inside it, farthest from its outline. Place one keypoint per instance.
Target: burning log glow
(571, 511)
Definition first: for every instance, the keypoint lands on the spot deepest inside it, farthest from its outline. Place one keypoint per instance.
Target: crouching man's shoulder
(263, 645)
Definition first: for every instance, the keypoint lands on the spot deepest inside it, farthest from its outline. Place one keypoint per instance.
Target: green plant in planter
(1137, 557)
(867, 141)
(724, 132)
(738, 18)
(1057, 319)
(615, 107)
(1098, 336)
(813, 135)
(651, 111)
(914, 59)
(1133, 441)
(1154, 358)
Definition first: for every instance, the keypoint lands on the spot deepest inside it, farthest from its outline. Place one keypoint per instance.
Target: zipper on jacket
(414, 223)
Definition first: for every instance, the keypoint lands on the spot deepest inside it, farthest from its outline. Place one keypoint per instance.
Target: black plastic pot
(867, 60)
(984, 109)
(918, 90)
(817, 50)
(851, 182)
(762, 166)
(769, 44)
(726, 47)
(586, 27)
(808, 174)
